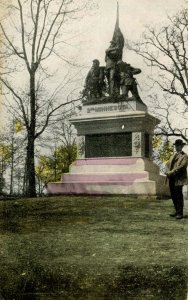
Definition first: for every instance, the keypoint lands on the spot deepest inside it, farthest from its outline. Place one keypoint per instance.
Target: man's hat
(96, 60)
(179, 142)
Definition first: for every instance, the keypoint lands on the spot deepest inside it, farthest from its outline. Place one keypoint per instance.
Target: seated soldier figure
(127, 81)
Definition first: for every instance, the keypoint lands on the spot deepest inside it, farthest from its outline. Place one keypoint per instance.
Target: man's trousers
(177, 196)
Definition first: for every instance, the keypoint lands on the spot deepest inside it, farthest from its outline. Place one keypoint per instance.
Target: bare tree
(12, 147)
(167, 110)
(165, 50)
(30, 42)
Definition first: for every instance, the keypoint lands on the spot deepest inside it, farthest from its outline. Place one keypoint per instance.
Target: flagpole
(117, 20)
(117, 35)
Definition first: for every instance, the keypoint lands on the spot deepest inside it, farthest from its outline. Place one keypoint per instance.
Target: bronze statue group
(116, 78)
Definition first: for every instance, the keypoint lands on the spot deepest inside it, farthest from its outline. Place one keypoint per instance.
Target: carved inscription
(108, 108)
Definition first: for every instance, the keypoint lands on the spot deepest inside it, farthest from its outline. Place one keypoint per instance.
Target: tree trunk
(30, 165)
(12, 166)
(30, 168)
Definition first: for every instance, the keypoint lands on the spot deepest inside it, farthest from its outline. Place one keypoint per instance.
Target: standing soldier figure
(113, 55)
(94, 83)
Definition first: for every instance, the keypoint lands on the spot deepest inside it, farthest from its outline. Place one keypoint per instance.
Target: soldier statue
(127, 81)
(113, 55)
(116, 79)
(94, 82)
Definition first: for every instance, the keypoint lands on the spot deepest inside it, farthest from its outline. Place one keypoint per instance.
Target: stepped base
(122, 188)
(128, 176)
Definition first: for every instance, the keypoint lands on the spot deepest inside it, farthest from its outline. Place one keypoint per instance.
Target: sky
(97, 29)
(93, 32)
(133, 16)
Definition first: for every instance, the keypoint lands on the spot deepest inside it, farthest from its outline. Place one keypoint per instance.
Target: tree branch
(51, 113)
(19, 98)
(23, 36)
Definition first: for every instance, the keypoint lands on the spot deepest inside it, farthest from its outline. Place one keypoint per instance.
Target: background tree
(12, 147)
(50, 168)
(162, 151)
(165, 51)
(31, 40)
(61, 148)
(5, 159)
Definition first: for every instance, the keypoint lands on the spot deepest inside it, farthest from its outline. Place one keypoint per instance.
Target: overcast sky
(133, 16)
(93, 33)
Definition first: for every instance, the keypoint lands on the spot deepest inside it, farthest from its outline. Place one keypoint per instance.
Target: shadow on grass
(152, 282)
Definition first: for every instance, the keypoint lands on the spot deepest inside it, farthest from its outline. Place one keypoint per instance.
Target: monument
(114, 133)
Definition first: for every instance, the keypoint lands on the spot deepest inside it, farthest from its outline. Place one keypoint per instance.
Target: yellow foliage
(166, 152)
(51, 168)
(157, 141)
(164, 149)
(5, 151)
(18, 125)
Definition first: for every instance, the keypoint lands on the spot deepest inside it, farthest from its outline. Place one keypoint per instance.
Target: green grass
(92, 248)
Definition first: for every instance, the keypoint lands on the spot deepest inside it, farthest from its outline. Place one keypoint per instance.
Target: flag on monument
(117, 35)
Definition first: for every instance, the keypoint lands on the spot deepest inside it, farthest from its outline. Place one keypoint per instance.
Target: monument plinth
(114, 134)
(114, 152)
(114, 130)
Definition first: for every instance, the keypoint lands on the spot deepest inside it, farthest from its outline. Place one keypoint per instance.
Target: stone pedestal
(114, 152)
(125, 176)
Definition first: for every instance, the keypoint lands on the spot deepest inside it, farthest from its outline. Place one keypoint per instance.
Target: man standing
(177, 176)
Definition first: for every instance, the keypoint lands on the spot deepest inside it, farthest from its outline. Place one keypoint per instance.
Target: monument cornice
(113, 116)
(137, 121)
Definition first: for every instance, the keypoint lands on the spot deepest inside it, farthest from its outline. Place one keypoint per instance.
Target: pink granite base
(107, 161)
(107, 177)
(110, 176)
(102, 188)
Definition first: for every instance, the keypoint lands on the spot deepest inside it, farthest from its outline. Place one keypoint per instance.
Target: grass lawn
(71, 247)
